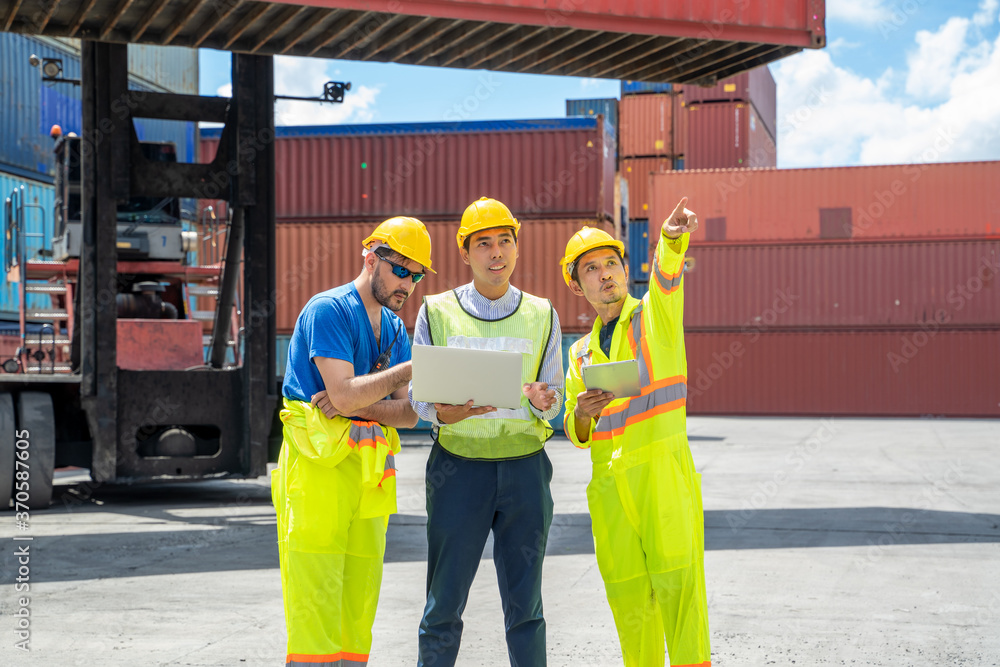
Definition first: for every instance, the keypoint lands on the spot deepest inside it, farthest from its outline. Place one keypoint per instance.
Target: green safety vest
(504, 434)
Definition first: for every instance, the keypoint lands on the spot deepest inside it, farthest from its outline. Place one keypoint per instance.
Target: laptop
(455, 375)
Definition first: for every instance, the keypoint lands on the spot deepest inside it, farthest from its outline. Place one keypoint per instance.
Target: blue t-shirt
(335, 324)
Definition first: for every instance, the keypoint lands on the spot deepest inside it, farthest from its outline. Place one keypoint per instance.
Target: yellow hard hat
(407, 236)
(485, 213)
(585, 240)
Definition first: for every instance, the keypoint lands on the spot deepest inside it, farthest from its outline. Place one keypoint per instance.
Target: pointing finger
(679, 209)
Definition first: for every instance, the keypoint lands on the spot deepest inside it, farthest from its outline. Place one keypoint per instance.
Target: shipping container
(644, 87)
(755, 87)
(31, 107)
(553, 167)
(761, 287)
(681, 129)
(724, 135)
(40, 200)
(539, 168)
(637, 172)
(894, 201)
(169, 69)
(316, 256)
(638, 250)
(907, 373)
(649, 126)
(607, 107)
(676, 41)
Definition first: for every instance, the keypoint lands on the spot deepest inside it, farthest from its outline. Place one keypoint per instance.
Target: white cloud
(934, 63)
(987, 13)
(860, 12)
(840, 44)
(305, 77)
(829, 116)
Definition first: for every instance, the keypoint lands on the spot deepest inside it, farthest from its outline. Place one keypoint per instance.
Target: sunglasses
(402, 271)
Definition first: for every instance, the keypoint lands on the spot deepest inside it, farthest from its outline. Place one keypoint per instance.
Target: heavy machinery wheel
(7, 439)
(35, 415)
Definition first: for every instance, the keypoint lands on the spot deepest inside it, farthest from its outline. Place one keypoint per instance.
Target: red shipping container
(647, 125)
(906, 373)
(549, 168)
(637, 172)
(894, 201)
(755, 86)
(759, 287)
(680, 125)
(316, 256)
(727, 134)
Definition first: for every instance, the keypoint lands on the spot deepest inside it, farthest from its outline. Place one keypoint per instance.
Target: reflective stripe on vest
(656, 398)
(342, 659)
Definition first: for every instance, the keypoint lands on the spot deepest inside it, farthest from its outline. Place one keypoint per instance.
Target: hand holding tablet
(620, 378)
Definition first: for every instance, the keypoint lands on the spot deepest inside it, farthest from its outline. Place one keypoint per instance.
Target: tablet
(455, 375)
(621, 378)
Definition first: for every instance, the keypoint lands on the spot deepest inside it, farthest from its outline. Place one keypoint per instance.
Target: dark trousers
(466, 499)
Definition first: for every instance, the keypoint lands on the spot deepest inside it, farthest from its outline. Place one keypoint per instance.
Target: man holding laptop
(645, 496)
(335, 485)
(488, 469)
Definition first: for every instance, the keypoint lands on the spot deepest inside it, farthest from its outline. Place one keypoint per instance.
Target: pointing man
(645, 496)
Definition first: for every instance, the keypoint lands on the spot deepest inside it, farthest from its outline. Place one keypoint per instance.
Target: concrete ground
(829, 542)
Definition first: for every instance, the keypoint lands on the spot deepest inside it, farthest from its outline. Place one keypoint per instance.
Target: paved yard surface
(829, 542)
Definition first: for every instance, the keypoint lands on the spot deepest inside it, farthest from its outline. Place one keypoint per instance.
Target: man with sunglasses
(487, 470)
(335, 487)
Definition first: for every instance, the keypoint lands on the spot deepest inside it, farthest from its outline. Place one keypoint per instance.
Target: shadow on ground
(224, 526)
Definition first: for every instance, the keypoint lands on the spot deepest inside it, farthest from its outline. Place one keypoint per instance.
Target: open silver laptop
(456, 375)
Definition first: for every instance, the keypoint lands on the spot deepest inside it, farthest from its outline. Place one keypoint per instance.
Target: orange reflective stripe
(707, 663)
(645, 391)
(667, 282)
(609, 432)
(342, 659)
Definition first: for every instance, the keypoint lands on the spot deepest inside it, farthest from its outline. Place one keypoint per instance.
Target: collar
(631, 303)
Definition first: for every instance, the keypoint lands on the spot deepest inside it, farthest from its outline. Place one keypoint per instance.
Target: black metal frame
(123, 405)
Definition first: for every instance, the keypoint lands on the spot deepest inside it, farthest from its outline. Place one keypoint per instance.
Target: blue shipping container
(608, 107)
(29, 108)
(41, 196)
(638, 288)
(641, 87)
(167, 68)
(638, 250)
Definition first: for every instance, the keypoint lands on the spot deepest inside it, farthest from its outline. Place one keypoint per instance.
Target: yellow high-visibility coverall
(645, 496)
(333, 491)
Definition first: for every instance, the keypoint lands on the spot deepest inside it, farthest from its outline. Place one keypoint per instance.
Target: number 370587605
(21, 469)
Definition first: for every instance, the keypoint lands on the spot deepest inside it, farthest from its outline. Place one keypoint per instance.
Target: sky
(900, 81)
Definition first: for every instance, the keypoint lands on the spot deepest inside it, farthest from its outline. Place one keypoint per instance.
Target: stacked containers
(652, 140)
(846, 291)
(334, 184)
(734, 123)
(31, 107)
